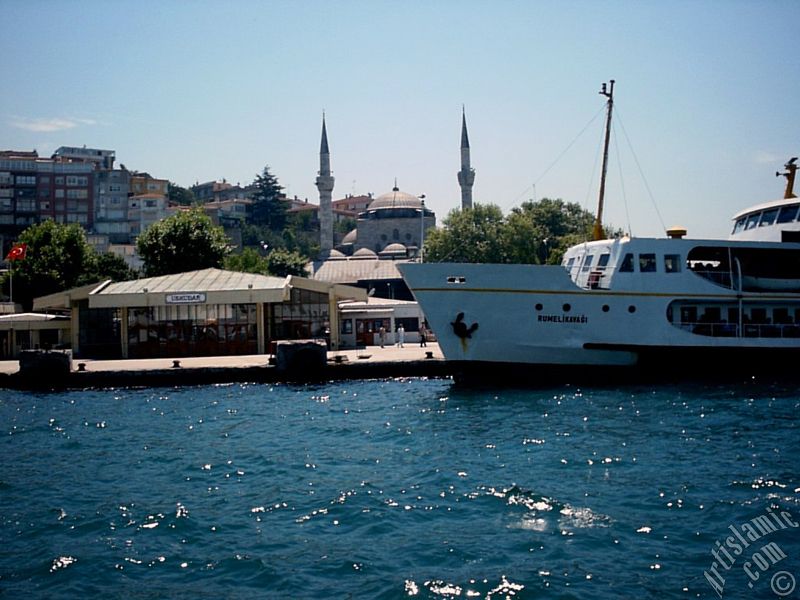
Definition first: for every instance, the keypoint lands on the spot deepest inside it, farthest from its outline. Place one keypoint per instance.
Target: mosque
(393, 225)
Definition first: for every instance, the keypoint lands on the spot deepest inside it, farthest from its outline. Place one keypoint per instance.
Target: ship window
(788, 213)
(627, 264)
(672, 263)
(752, 221)
(603, 261)
(768, 217)
(647, 263)
(570, 263)
(739, 225)
(781, 316)
(587, 264)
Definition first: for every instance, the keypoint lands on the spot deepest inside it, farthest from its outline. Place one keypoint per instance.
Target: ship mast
(597, 231)
(791, 170)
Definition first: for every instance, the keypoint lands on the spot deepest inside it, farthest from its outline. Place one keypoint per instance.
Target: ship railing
(748, 330)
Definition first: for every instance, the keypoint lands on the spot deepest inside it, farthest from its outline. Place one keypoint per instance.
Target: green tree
(186, 241)
(180, 195)
(540, 232)
(283, 262)
(56, 258)
(470, 235)
(100, 267)
(269, 206)
(248, 261)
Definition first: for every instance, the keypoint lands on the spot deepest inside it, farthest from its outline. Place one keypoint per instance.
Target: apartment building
(33, 189)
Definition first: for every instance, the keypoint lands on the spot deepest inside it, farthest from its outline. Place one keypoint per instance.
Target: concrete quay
(372, 362)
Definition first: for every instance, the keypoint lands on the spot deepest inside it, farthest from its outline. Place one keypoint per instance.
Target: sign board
(186, 298)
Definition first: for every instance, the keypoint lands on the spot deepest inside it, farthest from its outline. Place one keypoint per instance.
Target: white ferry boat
(666, 307)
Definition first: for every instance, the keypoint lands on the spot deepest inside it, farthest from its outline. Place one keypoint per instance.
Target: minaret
(466, 176)
(325, 187)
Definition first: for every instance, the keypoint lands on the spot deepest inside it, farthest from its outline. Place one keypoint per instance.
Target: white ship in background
(666, 307)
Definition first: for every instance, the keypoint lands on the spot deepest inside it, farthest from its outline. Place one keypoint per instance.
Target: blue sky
(190, 91)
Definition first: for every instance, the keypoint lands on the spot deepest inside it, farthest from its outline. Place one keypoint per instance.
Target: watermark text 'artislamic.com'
(758, 559)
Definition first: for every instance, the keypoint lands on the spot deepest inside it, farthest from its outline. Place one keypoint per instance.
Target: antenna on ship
(791, 170)
(608, 92)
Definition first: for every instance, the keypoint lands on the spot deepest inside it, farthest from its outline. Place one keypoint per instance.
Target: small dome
(336, 255)
(394, 249)
(395, 199)
(364, 253)
(350, 238)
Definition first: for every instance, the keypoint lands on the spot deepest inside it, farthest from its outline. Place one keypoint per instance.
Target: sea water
(396, 489)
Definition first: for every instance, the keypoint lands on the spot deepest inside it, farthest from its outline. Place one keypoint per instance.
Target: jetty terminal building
(209, 312)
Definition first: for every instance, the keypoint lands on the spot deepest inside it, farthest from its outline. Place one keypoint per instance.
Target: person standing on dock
(401, 335)
(423, 336)
(382, 335)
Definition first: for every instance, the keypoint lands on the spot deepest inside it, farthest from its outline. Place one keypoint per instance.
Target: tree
(186, 241)
(540, 232)
(180, 195)
(248, 261)
(282, 263)
(100, 267)
(533, 233)
(268, 207)
(56, 258)
(469, 235)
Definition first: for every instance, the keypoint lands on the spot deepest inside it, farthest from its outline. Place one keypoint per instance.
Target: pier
(372, 362)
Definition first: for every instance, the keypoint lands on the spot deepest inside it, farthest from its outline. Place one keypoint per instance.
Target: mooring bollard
(82, 367)
(429, 354)
(176, 364)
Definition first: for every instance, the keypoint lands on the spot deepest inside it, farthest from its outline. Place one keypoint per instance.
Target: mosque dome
(364, 253)
(350, 238)
(395, 199)
(394, 250)
(336, 255)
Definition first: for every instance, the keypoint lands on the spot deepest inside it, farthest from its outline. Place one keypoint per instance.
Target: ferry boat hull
(504, 318)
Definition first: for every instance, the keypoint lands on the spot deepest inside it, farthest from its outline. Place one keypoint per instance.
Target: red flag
(17, 252)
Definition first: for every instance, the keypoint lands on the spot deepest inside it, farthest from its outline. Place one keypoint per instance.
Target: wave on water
(544, 513)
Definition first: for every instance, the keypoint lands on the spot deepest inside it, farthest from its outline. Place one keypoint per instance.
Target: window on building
(396, 234)
(408, 323)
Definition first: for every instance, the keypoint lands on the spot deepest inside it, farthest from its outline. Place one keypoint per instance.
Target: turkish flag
(17, 252)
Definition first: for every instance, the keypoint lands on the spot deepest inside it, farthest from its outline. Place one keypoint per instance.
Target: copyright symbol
(782, 583)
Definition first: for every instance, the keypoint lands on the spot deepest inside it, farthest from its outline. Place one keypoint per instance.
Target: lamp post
(421, 225)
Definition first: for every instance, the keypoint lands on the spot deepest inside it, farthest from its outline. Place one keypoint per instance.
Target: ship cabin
(777, 221)
(752, 288)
